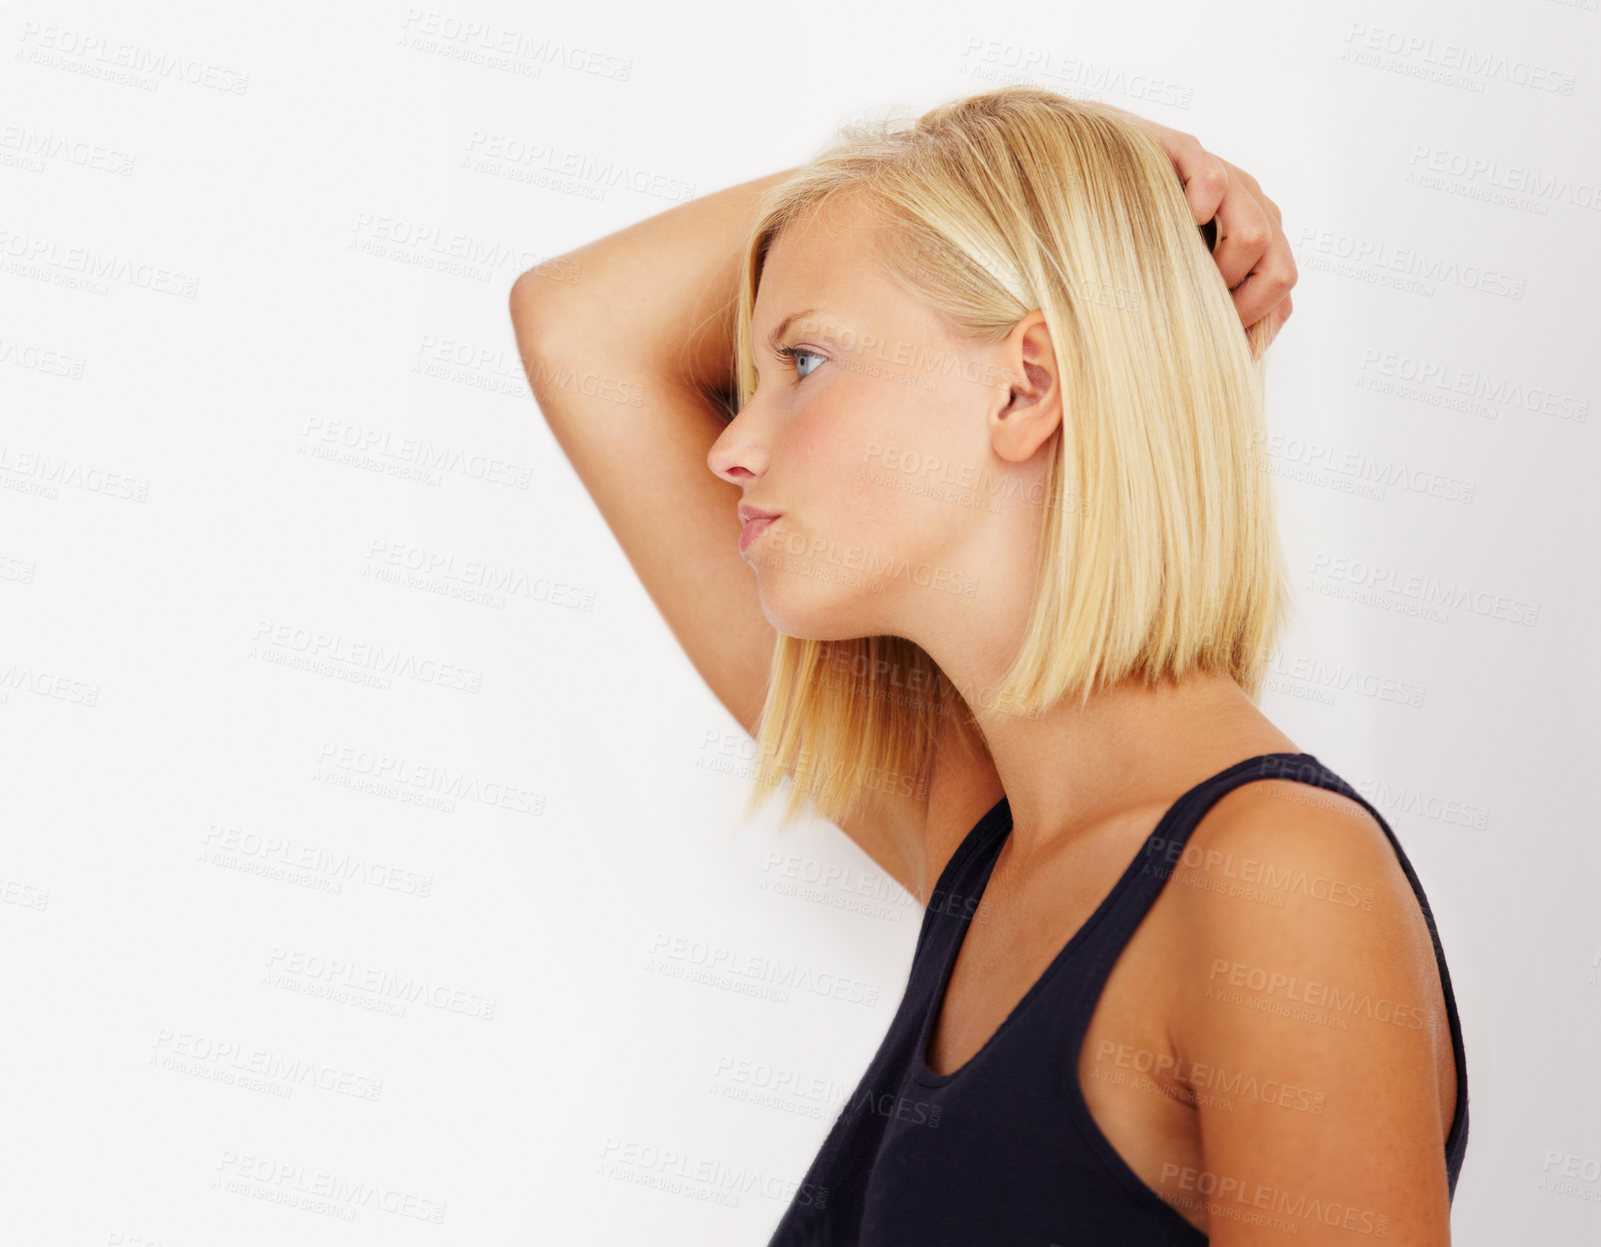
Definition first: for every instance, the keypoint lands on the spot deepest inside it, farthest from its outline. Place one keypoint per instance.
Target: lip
(755, 522)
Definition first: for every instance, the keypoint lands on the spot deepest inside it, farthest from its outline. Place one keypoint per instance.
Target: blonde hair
(1159, 554)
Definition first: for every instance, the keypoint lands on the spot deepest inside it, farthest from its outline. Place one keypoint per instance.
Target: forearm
(656, 297)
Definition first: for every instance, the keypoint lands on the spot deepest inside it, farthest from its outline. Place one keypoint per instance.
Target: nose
(739, 455)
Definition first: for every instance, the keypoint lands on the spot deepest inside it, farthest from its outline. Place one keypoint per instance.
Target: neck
(1127, 747)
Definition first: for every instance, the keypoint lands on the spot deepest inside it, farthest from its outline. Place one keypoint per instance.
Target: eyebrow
(778, 331)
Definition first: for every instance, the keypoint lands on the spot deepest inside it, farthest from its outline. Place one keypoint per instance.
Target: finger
(1205, 176)
(1275, 322)
(1269, 282)
(1279, 315)
(1271, 275)
(1244, 232)
(1237, 174)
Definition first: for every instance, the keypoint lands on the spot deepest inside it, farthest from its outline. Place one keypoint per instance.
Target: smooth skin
(820, 442)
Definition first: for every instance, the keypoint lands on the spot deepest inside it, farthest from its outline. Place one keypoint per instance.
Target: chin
(812, 609)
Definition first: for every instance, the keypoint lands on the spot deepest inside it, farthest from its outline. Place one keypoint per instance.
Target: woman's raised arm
(630, 359)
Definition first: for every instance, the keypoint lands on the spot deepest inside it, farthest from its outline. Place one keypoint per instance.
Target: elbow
(532, 316)
(531, 319)
(521, 301)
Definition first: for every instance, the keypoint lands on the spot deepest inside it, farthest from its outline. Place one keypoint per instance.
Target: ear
(1028, 403)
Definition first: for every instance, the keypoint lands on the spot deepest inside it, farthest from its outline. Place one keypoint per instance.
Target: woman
(997, 465)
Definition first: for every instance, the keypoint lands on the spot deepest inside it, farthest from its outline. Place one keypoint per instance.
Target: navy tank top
(1004, 1150)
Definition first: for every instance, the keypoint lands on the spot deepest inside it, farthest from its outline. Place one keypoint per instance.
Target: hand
(1252, 252)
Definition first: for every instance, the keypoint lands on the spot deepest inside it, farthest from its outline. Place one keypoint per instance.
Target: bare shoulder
(1276, 860)
(1333, 840)
(1301, 958)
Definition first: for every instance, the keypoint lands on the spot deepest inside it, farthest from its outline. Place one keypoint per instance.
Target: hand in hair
(1251, 250)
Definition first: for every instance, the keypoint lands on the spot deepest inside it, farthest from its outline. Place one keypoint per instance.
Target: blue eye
(792, 353)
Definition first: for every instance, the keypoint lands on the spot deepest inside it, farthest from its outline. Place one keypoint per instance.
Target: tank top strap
(1109, 930)
(954, 900)
(1134, 894)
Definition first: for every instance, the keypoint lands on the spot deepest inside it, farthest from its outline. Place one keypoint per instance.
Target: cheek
(826, 457)
(853, 470)
(828, 438)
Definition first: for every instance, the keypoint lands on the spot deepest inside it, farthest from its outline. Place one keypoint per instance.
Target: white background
(234, 244)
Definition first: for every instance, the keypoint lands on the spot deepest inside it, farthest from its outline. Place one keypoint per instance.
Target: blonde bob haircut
(1159, 554)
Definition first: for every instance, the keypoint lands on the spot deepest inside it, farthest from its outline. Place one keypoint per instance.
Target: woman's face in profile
(868, 435)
